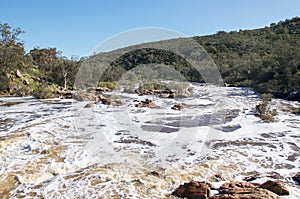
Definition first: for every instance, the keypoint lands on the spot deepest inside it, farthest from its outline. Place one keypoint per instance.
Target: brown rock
(147, 103)
(193, 190)
(296, 178)
(156, 174)
(246, 193)
(237, 185)
(106, 101)
(245, 190)
(276, 187)
(177, 107)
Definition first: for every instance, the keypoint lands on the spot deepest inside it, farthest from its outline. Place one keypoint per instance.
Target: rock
(89, 105)
(106, 101)
(172, 95)
(164, 95)
(276, 187)
(81, 96)
(26, 82)
(103, 89)
(177, 107)
(156, 174)
(193, 190)
(246, 193)
(19, 74)
(147, 103)
(296, 178)
(237, 185)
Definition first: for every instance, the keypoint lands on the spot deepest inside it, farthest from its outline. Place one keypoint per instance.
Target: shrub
(43, 92)
(263, 109)
(111, 85)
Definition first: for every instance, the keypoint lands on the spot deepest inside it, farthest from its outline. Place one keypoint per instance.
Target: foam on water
(58, 149)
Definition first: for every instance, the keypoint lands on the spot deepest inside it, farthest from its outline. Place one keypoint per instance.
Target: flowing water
(56, 148)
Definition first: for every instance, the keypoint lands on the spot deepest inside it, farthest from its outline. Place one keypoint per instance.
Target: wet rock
(19, 74)
(156, 174)
(193, 190)
(147, 103)
(177, 107)
(237, 185)
(276, 187)
(246, 193)
(89, 105)
(108, 101)
(296, 178)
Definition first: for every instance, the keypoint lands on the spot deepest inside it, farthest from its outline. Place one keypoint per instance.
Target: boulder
(296, 178)
(276, 187)
(237, 185)
(193, 190)
(245, 193)
(19, 74)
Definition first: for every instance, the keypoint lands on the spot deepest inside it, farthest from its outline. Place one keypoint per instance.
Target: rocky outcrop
(193, 190)
(147, 103)
(276, 187)
(232, 190)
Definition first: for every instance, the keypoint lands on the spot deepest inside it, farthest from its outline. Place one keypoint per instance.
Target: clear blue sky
(76, 27)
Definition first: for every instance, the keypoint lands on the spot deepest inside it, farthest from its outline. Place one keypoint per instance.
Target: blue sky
(76, 27)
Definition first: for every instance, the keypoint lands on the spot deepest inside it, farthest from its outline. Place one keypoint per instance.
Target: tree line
(266, 59)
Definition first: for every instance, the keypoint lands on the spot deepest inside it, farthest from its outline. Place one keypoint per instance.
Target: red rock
(193, 190)
(246, 193)
(276, 187)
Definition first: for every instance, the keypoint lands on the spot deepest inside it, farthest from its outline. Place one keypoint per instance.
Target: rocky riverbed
(144, 146)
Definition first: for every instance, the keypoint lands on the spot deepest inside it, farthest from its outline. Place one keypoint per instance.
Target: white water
(58, 149)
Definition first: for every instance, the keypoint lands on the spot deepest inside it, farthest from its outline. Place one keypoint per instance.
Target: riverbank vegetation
(266, 59)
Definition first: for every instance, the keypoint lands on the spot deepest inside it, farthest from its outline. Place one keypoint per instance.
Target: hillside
(266, 59)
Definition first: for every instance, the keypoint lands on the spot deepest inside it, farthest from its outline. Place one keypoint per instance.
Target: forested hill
(267, 59)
